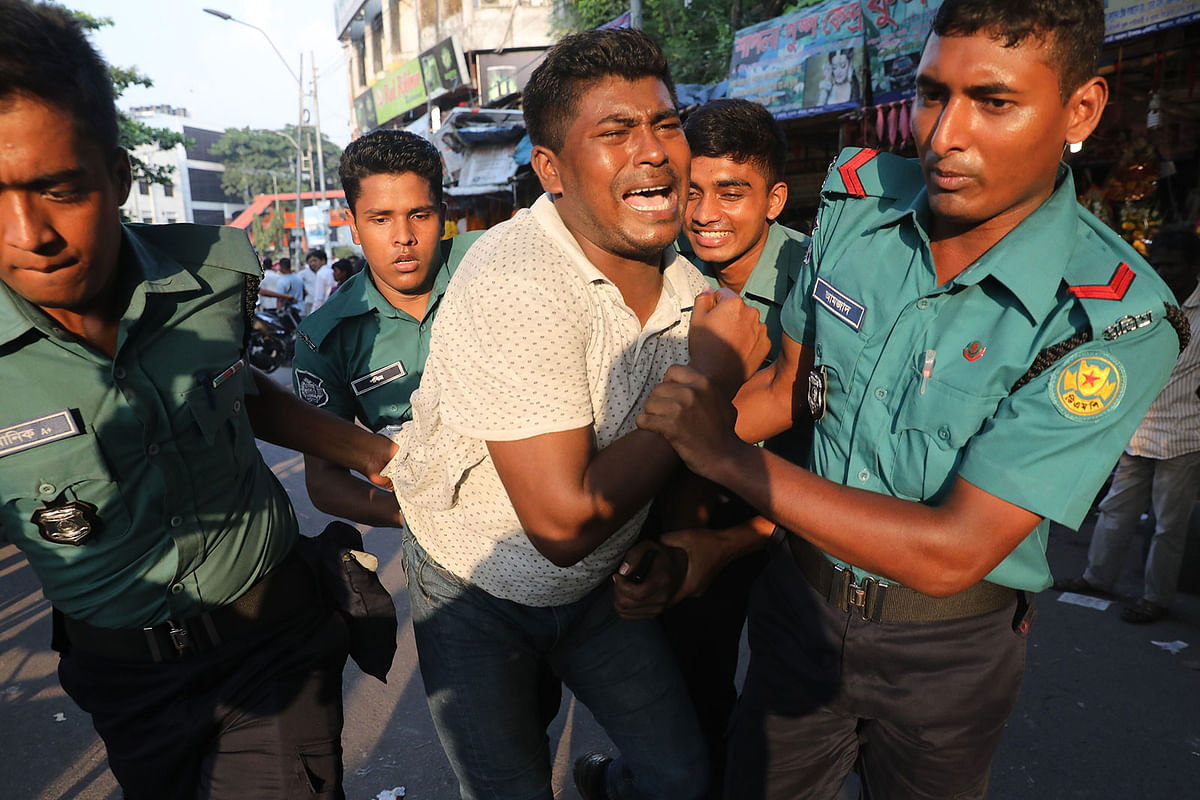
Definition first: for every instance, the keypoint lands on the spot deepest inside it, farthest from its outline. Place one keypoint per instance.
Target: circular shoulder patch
(1085, 388)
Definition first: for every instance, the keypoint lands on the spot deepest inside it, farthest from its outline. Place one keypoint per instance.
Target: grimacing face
(60, 199)
(398, 223)
(621, 171)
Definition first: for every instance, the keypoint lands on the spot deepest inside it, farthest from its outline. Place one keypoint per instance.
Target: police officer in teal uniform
(975, 350)
(129, 474)
(362, 353)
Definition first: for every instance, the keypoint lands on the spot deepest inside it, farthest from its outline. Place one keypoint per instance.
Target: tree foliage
(264, 162)
(697, 36)
(132, 133)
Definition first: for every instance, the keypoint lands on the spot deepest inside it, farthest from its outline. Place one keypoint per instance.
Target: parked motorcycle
(273, 337)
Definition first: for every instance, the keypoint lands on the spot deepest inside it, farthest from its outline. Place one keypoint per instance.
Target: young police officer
(735, 193)
(361, 354)
(960, 337)
(129, 475)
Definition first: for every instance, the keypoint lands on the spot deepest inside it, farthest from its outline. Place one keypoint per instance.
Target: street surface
(1104, 712)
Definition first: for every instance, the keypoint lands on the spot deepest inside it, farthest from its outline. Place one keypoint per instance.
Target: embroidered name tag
(843, 307)
(34, 432)
(373, 380)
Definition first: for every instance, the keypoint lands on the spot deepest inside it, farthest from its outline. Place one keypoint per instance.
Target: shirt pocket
(838, 349)
(219, 413)
(931, 431)
(68, 469)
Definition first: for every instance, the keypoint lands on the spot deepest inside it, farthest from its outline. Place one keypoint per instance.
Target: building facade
(195, 193)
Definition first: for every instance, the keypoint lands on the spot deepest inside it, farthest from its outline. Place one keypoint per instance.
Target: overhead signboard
(895, 34)
(344, 12)
(399, 91)
(802, 63)
(1125, 18)
(443, 68)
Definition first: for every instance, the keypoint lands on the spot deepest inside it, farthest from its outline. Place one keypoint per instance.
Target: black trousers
(258, 718)
(918, 707)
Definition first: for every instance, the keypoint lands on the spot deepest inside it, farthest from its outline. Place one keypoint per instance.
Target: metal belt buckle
(180, 637)
(865, 596)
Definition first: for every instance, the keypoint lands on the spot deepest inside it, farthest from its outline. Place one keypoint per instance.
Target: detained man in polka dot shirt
(524, 478)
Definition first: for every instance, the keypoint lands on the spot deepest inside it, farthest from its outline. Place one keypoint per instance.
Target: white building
(194, 194)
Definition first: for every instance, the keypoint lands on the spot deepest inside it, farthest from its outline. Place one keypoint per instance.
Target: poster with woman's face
(831, 78)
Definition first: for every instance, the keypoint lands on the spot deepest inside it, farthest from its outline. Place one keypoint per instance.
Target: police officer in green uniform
(362, 353)
(975, 350)
(129, 474)
(736, 192)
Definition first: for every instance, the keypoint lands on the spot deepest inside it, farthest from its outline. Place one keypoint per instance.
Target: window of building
(170, 217)
(169, 190)
(143, 187)
(147, 219)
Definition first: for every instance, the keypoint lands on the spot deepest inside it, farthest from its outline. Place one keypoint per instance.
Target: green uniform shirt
(869, 305)
(189, 515)
(773, 276)
(360, 357)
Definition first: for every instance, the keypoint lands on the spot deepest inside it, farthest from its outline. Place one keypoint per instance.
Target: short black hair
(284, 263)
(551, 97)
(389, 152)
(1073, 30)
(739, 130)
(317, 252)
(45, 54)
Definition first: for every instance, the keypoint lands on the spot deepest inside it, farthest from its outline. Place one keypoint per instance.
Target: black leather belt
(278, 595)
(883, 601)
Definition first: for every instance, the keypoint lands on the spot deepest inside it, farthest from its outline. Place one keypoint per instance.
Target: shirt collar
(157, 272)
(1031, 260)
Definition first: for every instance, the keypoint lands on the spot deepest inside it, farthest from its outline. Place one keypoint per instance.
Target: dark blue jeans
(481, 659)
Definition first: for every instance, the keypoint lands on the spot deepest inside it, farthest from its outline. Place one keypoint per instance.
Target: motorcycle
(273, 337)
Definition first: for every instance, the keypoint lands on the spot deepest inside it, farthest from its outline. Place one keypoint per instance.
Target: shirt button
(818, 350)
(119, 373)
(176, 588)
(943, 432)
(923, 304)
(237, 406)
(880, 393)
(864, 475)
(47, 488)
(176, 521)
(152, 449)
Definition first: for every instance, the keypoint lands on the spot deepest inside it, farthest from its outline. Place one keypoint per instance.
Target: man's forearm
(336, 491)
(938, 550)
(281, 418)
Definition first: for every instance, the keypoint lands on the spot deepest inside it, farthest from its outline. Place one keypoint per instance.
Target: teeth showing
(642, 200)
(714, 235)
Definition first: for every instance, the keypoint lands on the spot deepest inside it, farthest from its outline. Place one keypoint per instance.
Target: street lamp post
(299, 124)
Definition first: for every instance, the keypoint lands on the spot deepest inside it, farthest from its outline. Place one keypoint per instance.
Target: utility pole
(635, 14)
(320, 155)
(299, 159)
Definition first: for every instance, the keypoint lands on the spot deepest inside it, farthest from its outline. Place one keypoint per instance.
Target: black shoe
(1143, 612)
(1080, 586)
(590, 769)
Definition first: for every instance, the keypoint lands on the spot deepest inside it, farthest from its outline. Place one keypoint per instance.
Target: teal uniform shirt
(773, 276)
(361, 358)
(156, 439)
(869, 305)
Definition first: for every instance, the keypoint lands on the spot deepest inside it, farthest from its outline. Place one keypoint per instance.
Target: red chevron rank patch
(1113, 290)
(849, 171)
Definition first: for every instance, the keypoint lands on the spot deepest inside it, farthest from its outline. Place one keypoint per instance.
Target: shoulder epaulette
(862, 172)
(219, 246)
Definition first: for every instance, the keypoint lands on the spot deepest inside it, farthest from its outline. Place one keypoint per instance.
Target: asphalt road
(1104, 712)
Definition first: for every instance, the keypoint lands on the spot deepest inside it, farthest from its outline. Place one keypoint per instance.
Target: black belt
(278, 595)
(883, 601)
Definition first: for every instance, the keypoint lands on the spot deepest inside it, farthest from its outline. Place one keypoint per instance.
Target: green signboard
(398, 91)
